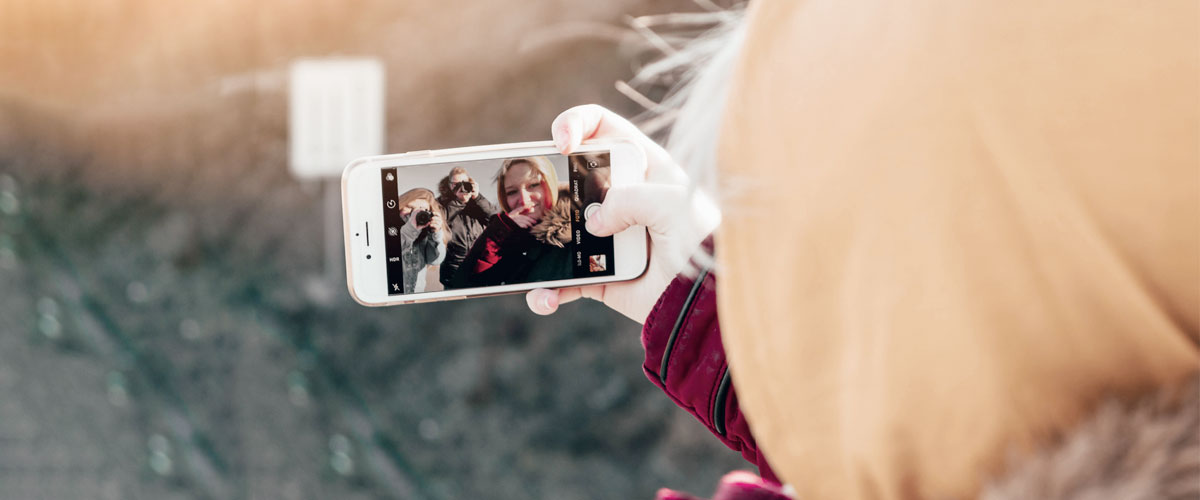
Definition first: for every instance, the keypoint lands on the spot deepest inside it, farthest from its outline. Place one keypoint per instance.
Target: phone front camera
(368, 257)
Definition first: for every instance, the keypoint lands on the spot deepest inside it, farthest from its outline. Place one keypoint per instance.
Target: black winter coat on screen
(465, 221)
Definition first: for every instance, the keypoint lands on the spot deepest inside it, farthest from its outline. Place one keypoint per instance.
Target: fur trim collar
(555, 228)
(1144, 451)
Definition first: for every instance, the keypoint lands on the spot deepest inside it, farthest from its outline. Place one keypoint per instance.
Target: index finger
(592, 121)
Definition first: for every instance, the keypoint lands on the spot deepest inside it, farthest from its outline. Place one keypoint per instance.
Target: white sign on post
(336, 114)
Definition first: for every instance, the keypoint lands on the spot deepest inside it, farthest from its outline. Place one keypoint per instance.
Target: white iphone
(440, 225)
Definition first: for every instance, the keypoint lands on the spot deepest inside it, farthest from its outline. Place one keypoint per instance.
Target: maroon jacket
(685, 358)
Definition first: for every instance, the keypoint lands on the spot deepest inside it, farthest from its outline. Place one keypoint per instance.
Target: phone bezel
(362, 208)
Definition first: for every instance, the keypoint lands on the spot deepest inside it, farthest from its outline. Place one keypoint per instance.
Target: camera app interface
(494, 222)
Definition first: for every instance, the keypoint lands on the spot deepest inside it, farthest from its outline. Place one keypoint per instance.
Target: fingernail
(669, 494)
(593, 223)
(561, 142)
(545, 303)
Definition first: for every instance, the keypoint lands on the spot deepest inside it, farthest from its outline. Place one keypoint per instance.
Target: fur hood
(1148, 450)
(555, 228)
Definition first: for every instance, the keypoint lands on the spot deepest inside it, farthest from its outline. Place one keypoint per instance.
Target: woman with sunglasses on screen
(526, 240)
(467, 214)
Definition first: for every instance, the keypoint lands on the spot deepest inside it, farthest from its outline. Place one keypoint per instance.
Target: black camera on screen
(423, 217)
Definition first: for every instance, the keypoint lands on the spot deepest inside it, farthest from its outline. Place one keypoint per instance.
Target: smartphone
(429, 226)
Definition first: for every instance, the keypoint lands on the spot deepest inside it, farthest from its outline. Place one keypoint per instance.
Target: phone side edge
(346, 242)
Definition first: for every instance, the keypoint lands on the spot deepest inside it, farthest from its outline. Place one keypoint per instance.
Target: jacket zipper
(718, 409)
(687, 306)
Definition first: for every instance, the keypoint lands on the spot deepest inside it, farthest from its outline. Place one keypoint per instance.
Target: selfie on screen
(494, 222)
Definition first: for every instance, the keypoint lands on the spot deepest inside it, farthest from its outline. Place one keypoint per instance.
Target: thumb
(545, 301)
(650, 205)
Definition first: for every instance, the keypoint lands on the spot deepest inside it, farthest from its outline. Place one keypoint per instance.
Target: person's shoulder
(484, 203)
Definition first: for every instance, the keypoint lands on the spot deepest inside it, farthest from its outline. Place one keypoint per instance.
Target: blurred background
(168, 327)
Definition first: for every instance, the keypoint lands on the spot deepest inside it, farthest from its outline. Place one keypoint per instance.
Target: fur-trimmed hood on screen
(555, 227)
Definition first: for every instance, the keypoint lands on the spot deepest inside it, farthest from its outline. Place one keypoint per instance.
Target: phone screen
(499, 221)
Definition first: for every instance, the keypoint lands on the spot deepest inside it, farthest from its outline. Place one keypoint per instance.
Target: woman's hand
(436, 222)
(518, 216)
(677, 220)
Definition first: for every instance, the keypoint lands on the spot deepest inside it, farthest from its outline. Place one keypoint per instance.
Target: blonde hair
(539, 163)
(698, 54)
(695, 77)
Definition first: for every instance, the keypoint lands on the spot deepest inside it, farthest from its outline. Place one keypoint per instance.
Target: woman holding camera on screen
(422, 239)
(526, 240)
(467, 214)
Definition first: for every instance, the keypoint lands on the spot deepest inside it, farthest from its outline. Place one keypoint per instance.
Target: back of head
(958, 229)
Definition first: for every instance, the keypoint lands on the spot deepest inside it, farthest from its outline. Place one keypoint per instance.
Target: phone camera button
(591, 209)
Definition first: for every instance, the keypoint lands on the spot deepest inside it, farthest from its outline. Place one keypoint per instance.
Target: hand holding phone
(677, 219)
(510, 218)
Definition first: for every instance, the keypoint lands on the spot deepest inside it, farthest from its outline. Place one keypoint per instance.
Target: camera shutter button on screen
(591, 209)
